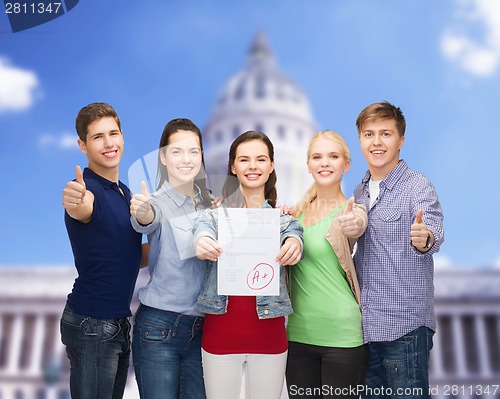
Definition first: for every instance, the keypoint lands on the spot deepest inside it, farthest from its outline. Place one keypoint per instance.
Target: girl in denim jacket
(247, 330)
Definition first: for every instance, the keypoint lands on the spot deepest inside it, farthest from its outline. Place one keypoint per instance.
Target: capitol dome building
(260, 97)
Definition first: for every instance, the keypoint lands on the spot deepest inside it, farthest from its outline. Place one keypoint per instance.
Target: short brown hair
(91, 113)
(382, 110)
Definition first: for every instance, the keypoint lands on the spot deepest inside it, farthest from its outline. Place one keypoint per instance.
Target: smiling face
(327, 162)
(103, 147)
(252, 166)
(182, 158)
(380, 145)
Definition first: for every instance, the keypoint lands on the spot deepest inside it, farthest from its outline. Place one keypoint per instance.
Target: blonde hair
(311, 194)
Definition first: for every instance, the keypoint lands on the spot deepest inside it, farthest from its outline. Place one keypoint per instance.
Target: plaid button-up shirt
(396, 280)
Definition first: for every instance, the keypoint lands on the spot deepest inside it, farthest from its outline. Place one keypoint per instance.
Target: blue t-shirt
(107, 252)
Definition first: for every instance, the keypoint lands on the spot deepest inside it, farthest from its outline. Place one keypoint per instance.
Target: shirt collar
(266, 204)
(105, 182)
(392, 178)
(177, 196)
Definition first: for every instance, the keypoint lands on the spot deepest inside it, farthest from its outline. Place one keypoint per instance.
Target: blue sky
(156, 60)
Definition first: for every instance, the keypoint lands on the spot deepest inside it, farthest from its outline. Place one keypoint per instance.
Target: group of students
(341, 326)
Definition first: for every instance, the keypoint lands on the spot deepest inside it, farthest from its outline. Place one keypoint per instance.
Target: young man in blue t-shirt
(107, 252)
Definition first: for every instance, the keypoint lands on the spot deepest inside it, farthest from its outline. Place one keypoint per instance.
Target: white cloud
(442, 261)
(478, 54)
(18, 87)
(496, 265)
(64, 141)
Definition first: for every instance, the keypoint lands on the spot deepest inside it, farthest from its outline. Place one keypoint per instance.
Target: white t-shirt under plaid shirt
(396, 280)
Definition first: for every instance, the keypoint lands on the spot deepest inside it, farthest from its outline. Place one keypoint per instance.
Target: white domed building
(262, 98)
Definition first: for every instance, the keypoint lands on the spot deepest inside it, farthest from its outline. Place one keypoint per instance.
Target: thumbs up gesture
(421, 237)
(74, 192)
(140, 206)
(349, 223)
(78, 202)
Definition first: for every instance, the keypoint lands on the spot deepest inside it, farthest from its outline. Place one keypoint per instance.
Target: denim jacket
(267, 306)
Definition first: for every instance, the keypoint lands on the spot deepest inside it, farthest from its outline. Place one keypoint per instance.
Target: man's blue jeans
(166, 350)
(400, 368)
(99, 355)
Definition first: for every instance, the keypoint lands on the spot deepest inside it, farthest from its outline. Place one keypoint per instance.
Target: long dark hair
(233, 197)
(170, 128)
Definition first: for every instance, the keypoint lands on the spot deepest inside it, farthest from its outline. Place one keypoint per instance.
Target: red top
(240, 330)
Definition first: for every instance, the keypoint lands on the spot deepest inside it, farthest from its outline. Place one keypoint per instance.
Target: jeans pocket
(66, 326)
(400, 365)
(397, 372)
(108, 329)
(152, 333)
(429, 336)
(99, 330)
(71, 337)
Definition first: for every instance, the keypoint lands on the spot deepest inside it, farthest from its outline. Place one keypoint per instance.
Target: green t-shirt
(325, 310)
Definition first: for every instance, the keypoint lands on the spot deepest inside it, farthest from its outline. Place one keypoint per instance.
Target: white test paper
(250, 241)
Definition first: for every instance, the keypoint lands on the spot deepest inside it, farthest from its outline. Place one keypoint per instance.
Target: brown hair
(91, 113)
(382, 110)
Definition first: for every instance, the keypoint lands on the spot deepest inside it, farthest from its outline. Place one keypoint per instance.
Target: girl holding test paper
(245, 329)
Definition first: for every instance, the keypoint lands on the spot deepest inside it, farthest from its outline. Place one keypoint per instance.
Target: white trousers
(264, 375)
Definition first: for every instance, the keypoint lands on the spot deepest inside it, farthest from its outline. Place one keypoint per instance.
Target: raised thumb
(418, 217)
(79, 175)
(350, 205)
(144, 189)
